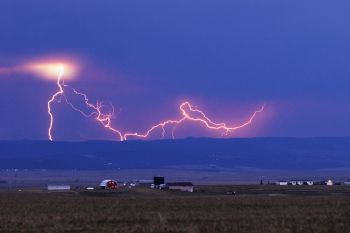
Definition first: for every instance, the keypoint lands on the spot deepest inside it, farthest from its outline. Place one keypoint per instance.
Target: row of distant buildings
(158, 182)
(311, 182)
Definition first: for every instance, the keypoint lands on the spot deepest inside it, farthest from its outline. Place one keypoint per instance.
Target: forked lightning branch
(187, 110)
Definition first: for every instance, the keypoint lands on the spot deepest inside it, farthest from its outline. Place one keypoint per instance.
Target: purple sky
(145, 57)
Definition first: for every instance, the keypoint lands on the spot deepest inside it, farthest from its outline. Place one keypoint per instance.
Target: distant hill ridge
(259, 153)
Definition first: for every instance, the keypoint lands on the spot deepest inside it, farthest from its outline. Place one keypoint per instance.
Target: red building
(109, 184)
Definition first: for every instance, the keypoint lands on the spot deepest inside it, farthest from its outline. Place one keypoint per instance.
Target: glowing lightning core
(188, 112)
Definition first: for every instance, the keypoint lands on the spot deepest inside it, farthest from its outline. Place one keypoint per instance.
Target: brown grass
(156, 211)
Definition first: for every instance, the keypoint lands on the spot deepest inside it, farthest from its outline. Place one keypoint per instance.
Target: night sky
(145, 57)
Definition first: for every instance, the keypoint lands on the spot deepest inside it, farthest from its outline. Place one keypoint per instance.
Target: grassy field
(254, 209)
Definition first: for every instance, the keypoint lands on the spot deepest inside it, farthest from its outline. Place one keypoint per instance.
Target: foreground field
(144, 210)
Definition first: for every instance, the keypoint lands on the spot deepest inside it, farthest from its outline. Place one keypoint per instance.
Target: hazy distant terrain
(286, 154)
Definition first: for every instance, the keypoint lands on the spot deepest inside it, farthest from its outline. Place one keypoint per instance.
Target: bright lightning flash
(104, 119)
(191, 113)
(50, 69)
(53, 98)
(188, 113)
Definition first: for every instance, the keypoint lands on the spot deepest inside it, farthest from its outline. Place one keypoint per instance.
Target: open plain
(254, 208)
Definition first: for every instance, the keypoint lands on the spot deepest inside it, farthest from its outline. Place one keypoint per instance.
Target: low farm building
(325, 182)
(329, 182)
(58, 188)
(282, 182)
(181, 186)
(145, 182)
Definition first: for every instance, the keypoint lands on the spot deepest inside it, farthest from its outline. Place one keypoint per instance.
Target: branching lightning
(187, 110)
(104, 119)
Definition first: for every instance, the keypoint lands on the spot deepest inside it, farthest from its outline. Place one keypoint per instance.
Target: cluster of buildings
(158, 182)
(311, 182)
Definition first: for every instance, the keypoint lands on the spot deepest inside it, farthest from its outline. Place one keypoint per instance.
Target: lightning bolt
(60, 92)
(187, 110)
(104, 119)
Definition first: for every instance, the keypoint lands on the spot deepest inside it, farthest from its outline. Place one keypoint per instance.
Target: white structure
(302, 182)
(282, 183)
(58, 187)
(181, 186)
(329, 182)
(309, 182)
(144, 182)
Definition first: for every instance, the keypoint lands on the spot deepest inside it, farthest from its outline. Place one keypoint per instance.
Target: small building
(346, 182)
(181, 186)
(324, 182)
(329, 182)
(300, 182)
(145, 182)
(58, 187)
(282, 183)
(309, 182)
(109, 184)
(158, 180)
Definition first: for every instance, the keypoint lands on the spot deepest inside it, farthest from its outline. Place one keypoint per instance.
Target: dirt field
(253, 209)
